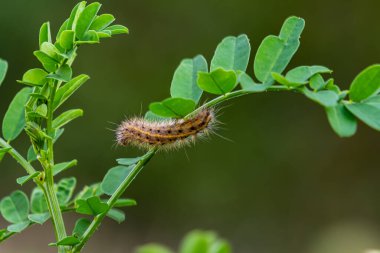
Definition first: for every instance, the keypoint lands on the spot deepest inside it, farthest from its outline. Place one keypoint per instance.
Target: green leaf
(104, 34)
(39, 112)
(3, 70)
(151, 116)
(58, 133)
(173, 107)
(333, 87)
(65, 189)
(129, 161)
(217, 82)
(341, 120)
(62, 29)
(325, 98)
(80, 227)
(197, 241)
(52, 51)
(91, 206)
(58, 168)
(31, 156)
(18, 227)
(317, 82)
(67, 241)
(24, 179)
(15, 207)
(220, 246)
(275, 52)
(184, 83)
(114, 178)
(367, 111)
(86, 18)
(125, 202)
(89, 191)
(232, 54)
(64, 92)
(101, 22)
(247, 83)
(63, 74)
(282, 80)
(39, 218)
(153, 248)
(90, 37)
(118, 29)
(45, 35)
(117, 215)
(66, 117)
(3, 234)
(299, 76)
(302, 74)
(48, 63)
(38, 201)
(14, 119)
(67, 39)
(74, 16)
(366, 84)
(34, 77)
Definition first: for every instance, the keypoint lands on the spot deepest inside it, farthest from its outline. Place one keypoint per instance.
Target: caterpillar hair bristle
(165, 134)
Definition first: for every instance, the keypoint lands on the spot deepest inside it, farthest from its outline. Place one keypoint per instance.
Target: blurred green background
(285, 184)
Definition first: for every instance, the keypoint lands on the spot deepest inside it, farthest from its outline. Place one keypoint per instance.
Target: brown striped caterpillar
(169, 133)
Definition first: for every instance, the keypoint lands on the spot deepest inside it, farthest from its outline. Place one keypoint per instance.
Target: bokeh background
(284, 184)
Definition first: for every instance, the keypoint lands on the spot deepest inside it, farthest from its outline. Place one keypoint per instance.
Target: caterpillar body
(169, 133)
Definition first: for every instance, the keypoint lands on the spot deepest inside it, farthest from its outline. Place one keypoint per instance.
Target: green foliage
(65, 190)
(58, 168)
(14, 119)
(366, 84)
(38, 202)
(275, 52)
(34, 77)
(117, 215)
(368, 111)
(173, 107)
(67, 241)
(114, 178)
(184, 83)
(39, 218)
(232, 53)
(45, 34)
(24, 179)
(15, 207)
(153, 248)
(3, 70)
(33, 109)
(91, 206)
(80, 227)
(299, 76)
(341, 120)
(65, 91)
(66, 117)
(218, 81)
(194, 242)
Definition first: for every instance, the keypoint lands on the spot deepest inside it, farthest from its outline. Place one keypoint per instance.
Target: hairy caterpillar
(169, 133)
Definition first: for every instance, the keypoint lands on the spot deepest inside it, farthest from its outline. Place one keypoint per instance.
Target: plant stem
(236, 94)
(50, 194)
(19, 158)
(115, 196)
(48, 188)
